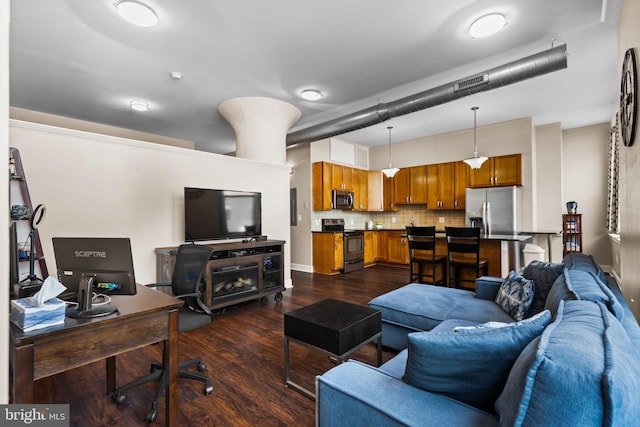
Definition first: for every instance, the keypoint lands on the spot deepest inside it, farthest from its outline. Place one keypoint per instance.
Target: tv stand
(237, 272)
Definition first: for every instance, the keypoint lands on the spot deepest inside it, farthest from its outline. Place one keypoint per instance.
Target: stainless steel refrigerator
(495, 210)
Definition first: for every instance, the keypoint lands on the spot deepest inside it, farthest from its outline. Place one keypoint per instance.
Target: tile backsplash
(403, 216)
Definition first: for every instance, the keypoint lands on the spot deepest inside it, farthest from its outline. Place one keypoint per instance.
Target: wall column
(261, 126)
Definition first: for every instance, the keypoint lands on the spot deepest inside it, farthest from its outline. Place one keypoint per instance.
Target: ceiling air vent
(471, 82)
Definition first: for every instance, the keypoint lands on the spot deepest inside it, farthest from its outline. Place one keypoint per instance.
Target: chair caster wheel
(152, 416)
(278, 297)
(208, 389)
(119, 398)
(202, 366)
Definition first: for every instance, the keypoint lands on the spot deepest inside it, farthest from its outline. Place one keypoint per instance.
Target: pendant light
(475, 162)
(390, 171)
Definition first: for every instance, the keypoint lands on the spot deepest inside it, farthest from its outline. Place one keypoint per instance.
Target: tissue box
(29, 317)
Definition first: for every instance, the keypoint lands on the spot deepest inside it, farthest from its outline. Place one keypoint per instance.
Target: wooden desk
(142, 319)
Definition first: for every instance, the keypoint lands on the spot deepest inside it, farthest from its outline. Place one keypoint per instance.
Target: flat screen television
(211, 214)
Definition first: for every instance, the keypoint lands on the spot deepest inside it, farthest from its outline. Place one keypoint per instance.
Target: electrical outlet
(393, 219)
(299, 217)
(441, 220)
(317, 221)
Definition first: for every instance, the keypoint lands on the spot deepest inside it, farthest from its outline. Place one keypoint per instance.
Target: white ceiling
(79, 59)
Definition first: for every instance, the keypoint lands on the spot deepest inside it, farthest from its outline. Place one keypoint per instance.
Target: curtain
(613, 211)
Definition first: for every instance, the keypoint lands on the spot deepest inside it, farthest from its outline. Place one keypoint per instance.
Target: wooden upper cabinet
(461, 184)
(321, 186)
(341, 177)
(360, 186)
(500, 171)
(446, 185)
(410, 185)
(507, 170)
(440, 186)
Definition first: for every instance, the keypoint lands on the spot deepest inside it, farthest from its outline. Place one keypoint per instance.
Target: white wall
(547, 186)
(629, 36)
(300, 179)
(4, 195)
(585, 157)
(103, 186)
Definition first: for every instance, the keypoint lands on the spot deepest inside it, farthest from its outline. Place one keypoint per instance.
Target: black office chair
(187, 284)
(422, 255)
(463, 252)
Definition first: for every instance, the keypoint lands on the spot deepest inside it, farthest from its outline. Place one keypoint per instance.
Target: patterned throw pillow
(516, 295)
(543, 274)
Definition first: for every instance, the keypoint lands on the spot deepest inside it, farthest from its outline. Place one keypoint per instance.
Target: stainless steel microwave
(342, 199)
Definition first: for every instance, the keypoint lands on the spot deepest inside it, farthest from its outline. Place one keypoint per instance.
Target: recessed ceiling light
(137, 13)
(311, 94)
(487, 25)
(139, 105)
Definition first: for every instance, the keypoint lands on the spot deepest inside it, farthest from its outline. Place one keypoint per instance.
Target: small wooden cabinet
(370, 247)
(397, 249)
(328, 253)
(500, 171)
(341, 177)
(446, 185)
(410, 186)
(360, 188)
(571, 233)
(380, 192)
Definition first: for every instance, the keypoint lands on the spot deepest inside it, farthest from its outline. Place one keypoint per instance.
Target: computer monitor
(107, 259)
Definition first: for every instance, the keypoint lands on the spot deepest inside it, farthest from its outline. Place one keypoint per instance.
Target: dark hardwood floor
(243, 348)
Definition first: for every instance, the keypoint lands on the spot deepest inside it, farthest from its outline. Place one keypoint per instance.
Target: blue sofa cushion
(584, 285)
(469, 365)
(583, 262)
(424, 306)
(516, 295)
(543, 274)
(578, 371)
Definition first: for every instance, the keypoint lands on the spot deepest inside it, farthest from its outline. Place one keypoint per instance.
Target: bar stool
(422, 253)
(463, 252)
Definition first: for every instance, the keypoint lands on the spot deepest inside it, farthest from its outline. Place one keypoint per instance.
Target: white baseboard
(302, 267)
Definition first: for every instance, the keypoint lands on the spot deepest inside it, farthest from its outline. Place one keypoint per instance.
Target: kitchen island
(504, 251)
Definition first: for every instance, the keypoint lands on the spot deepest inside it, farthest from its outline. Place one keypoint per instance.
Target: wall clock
(628, 104)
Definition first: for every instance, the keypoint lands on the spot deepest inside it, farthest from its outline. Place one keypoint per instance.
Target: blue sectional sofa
(464, 361)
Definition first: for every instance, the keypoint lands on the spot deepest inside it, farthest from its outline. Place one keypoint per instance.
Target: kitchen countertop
(440, 234)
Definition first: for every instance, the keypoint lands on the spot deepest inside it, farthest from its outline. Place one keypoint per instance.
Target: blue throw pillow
(469, 364)
(543, 274)
(515, 295)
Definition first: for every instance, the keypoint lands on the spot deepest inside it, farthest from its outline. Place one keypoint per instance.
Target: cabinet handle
(455, 203)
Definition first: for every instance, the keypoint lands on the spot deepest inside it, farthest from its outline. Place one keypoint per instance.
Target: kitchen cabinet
(370, 247)
(500, 171)
(321, 186)
(460, 185)
(397, 249)
(380, 192)
(326, 177)
(410, 185)
(360, 186)
(328, 253)
(446, 185)
(341, 177)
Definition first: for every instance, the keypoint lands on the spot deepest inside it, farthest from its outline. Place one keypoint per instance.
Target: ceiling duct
(541, 63)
